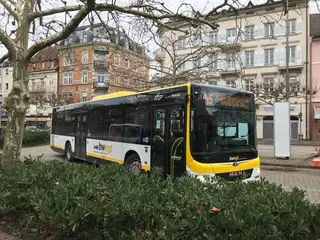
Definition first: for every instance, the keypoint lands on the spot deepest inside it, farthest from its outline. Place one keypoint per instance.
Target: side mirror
(200, 105)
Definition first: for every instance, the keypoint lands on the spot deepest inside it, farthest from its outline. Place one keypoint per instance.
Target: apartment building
(43, 77)
(6, 70)
(314, 70)
(249, 50)
(95, 61)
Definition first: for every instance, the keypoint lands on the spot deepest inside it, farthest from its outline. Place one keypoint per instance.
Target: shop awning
(316, 112)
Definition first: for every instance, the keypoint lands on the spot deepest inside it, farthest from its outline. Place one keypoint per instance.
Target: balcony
(100, 85)
(37, 90)
(102, 64)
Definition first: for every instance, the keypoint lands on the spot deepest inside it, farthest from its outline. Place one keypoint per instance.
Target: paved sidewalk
(304, 179)
(300, 156)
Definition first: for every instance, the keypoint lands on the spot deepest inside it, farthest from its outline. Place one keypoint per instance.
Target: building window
(126, 82)
(42, 65)
(85, 38)
(181, 42)
(249, 58)
(135, 66)
(84, 57)
(212, 61)
(249, 32)
(213, 38)
(268, 57)
(67, 60)
(231, 32)
(67, 78)
(143, 68)
(101, 77)
(268, 29)
(42, 84)
(117, 59)
(84, 77)
(196, 41)
(231, 83)
(268, 85)
(196, 63)
(292, 54)
(84, 96)
(230, 61)
(249, 85)
(318, 127)
(6, 86)
(51, 64)
(126, 62)
(135, 85)
(292, 26)
(116, 80)
(7, 71)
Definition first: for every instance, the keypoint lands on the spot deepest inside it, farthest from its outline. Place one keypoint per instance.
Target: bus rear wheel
(133, 164)
(68, 152)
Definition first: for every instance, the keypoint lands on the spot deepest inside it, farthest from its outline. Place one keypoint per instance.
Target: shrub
(31, 138)
(73, 201)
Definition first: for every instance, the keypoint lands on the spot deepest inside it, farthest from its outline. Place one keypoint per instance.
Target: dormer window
(85, 38)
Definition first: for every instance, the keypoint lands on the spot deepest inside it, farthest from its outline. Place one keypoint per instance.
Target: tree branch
(7, 42)
(70, 27)
(9, 9)
(128, 10)
(55, 11)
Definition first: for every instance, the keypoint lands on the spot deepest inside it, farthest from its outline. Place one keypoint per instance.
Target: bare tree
(275, 91)
(51, 100)
(30, 17)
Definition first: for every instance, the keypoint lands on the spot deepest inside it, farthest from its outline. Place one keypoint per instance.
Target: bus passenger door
(159, 136)
(168, 138)
(81, 135)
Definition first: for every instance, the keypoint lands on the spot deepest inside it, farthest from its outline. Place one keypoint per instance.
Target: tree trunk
(16, 105)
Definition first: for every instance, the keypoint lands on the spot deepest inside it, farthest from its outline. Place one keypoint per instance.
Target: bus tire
(68, 152)
(133, 163)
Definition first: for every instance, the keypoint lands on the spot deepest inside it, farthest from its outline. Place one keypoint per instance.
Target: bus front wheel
(68, 152)
(133, 164)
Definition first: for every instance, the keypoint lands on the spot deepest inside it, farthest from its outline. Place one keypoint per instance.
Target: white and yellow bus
(202, 130)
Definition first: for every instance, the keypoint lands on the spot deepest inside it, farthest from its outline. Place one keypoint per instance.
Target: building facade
(95, 61)
(248, 51)
(43, 78)
(314, 67)
(6, 70)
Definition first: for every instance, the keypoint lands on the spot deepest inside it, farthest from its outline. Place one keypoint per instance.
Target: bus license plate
(235, 174)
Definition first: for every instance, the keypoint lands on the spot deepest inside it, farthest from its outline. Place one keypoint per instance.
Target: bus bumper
(255, 176)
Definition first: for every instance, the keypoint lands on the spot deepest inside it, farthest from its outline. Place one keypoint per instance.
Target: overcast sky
(200, 5)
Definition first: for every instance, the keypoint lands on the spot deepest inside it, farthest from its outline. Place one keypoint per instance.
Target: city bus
(196, 129)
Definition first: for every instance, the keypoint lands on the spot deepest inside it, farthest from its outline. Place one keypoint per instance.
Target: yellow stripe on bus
(206, 168)
(145, 167)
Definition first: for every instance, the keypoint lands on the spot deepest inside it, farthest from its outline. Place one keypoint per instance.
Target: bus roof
(122, 94)
(128, 93)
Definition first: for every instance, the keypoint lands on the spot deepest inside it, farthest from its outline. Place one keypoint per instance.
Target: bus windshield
(227, 132)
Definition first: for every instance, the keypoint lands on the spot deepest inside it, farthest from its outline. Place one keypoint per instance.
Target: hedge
(79, 201)
(31, 138)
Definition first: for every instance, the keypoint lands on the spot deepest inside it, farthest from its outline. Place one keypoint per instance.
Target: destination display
(228, 99)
